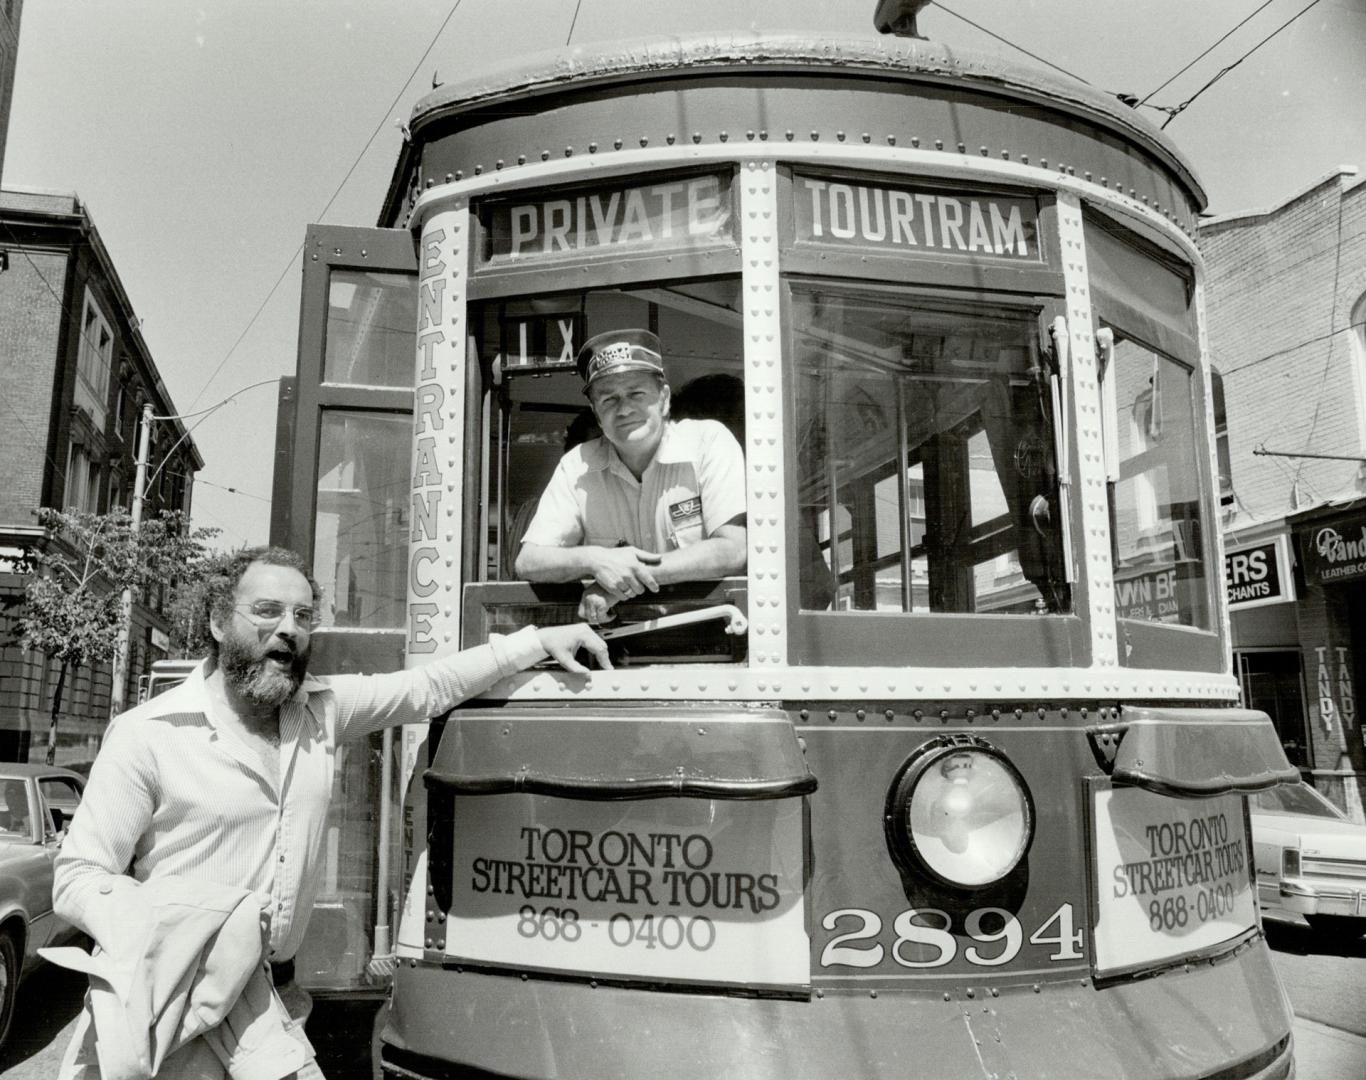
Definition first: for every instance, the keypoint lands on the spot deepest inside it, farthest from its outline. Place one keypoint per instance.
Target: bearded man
(226, 780)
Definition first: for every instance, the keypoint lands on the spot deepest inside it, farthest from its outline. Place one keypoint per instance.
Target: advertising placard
(670, 890)
(904, 219)
(1172, 876)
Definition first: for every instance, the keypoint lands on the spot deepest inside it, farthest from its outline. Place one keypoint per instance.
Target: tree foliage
(72, 600)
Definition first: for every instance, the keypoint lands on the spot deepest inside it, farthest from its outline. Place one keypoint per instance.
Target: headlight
(961, 811)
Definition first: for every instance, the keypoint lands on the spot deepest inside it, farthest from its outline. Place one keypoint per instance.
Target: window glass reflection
(1156, 516)
(370, 321)
(926, 476)
(361, 544)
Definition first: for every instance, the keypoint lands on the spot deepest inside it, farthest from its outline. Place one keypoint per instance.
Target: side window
(14, 809)
(1161, 568)
(60, 798)
(1221, 443)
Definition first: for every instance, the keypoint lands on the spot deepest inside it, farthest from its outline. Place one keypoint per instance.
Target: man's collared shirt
(173, 791)
(694, 485)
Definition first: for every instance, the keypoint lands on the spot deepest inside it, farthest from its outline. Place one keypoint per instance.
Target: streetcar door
(340, 499)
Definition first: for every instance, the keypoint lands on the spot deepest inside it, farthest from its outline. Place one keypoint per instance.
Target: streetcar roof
(913, 60)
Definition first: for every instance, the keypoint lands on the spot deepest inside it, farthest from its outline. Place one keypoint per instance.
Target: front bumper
(1213, 1020)
(1311, 896)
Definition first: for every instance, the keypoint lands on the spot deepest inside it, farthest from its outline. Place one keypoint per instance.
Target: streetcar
(951, 780)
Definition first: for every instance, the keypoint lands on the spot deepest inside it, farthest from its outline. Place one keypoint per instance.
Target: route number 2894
(922, 938)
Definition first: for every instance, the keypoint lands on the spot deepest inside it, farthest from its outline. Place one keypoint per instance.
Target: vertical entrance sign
(438, 411)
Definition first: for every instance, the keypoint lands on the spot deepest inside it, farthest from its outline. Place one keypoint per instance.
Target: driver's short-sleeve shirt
(694, 485)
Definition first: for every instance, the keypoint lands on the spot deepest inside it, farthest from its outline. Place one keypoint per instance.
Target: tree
(72, 599)
(186, 611)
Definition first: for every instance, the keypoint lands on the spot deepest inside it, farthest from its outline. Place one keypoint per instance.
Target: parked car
(36, 803)
(1310, 859)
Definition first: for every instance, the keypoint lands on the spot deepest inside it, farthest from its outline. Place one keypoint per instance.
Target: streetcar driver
(651, 502)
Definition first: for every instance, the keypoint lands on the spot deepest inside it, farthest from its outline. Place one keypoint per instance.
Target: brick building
(10, 10)
(76, 375)
(1286, 302)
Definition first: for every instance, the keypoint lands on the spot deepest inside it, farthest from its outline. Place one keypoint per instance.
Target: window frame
(304, 399)
(1146, 644)
(930, 639)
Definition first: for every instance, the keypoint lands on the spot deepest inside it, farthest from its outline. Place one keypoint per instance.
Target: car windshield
(1295, 799)
(14, 810)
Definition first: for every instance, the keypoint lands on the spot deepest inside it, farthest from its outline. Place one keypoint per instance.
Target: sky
(204, 138)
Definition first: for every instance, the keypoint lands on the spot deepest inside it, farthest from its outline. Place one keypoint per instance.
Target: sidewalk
(1326, 1053)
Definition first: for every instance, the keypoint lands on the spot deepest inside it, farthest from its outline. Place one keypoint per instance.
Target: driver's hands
(623, 572)
(562, 642)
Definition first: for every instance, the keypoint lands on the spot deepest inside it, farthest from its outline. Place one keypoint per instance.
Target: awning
(626, 754)
(1193, 753)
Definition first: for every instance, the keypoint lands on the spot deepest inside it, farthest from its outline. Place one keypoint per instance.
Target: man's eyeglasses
(270, 612)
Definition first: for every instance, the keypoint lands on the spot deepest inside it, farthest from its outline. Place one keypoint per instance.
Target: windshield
(1296, 799)
(925, 451)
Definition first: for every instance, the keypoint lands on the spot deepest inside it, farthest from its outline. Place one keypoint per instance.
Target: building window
(82, 481)
(95, 358)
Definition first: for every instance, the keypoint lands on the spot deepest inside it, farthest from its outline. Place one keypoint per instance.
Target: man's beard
(254, 675)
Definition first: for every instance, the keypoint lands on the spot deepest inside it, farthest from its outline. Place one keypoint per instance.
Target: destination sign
(677, 890)
(916, 219)
(684, 213)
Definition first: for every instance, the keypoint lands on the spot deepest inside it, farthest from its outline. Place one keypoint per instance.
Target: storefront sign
(1172, 876)
(905, 219)
(674, 890)
(1258, 575)
(1334, 553)
(692, 212)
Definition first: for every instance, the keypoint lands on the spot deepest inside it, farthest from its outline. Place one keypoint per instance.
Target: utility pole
(120, 676)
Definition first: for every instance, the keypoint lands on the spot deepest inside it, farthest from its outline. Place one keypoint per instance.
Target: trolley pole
(120, 674)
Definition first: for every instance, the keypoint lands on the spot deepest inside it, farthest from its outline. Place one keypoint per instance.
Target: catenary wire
(1007, 41)
(1225, 37)
(1179, 109)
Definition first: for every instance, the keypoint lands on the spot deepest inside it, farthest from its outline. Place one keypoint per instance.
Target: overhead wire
(1179, 109)
(573, 23)
(1007, 41)
(1148, 97)
(354, 165)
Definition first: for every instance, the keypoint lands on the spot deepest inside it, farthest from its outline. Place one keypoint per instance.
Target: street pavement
(341, 1032)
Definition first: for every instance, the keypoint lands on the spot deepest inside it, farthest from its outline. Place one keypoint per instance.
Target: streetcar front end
(951, 778)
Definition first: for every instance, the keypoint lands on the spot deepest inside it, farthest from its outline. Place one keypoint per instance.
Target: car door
(58, 798)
